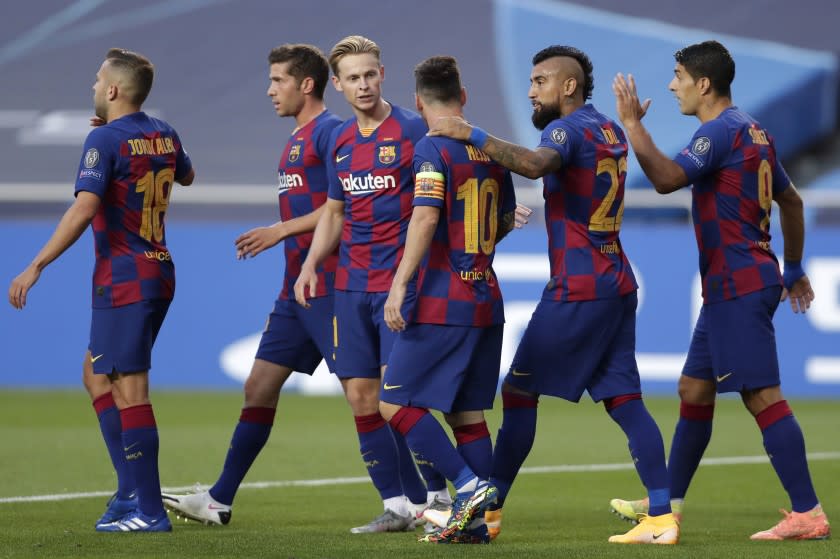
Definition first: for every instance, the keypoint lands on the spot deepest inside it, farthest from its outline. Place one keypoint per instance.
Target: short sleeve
(96, 166)
(321, 136)
(561, 136)
(429, 175)
(508, 195)
(706, 151)
(183, 163)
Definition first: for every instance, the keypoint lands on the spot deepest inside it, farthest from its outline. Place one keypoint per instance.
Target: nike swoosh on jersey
(387, 386)
(339, 159)
(94, 359)
(721, 378)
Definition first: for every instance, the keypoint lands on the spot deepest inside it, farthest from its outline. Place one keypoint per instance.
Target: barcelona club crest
(294, 153)
(387, 154)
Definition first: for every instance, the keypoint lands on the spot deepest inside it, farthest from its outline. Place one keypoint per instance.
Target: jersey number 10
(481, 214)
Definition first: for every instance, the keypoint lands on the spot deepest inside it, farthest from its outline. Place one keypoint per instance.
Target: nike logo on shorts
(391, 386)
(95, 359)
(721, 378)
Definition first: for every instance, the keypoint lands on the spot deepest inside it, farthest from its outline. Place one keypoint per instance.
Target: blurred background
(210, 84)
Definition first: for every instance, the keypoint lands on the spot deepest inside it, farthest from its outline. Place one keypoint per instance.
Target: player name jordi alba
(151, 146)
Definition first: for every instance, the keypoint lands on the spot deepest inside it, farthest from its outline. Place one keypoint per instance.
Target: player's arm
(531, 163)
(326, 238)
(263, 238)
(421, 229)
(792, 217)
(73, 223)
(665, 175)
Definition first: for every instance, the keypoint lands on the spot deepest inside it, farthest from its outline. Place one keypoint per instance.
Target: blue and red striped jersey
(584, 205)
(131, 163)
(456, 284)
(372, 175)
(302, 188)
(731, 162)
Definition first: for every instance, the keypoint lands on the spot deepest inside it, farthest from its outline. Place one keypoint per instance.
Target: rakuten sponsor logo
(367, 183)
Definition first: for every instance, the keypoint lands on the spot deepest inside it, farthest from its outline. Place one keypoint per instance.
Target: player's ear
(381, 72)
(307, 85)
(113, 91)
(704, 85)
(463, 96)
(418, 103)
(570, 86)
(336, 83)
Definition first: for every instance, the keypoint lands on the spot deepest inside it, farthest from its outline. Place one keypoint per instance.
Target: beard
(543, 116)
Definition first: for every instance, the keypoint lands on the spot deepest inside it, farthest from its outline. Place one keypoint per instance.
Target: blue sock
(475, 447)
(379, 451)
(691, 437)
(111, 427)
(514, 441)
(426, 437)
(248, 440)
(646, 448)
(785, 446)
(412, 486)
(140, 444)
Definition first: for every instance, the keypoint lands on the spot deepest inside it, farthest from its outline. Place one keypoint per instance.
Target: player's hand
(800, 295)
(307, 279)
(452, 127)
(256, 240)
(96, 121)
(20, 286)
(393, 316)
(627, 104)
(521, 215)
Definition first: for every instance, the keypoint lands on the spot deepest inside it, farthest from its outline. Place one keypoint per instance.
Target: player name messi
(367, 183)
(151, 146)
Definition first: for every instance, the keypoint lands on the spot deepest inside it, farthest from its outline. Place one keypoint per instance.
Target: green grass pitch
(51, 445)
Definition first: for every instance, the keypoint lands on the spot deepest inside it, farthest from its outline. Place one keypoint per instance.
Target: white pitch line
(563, 468)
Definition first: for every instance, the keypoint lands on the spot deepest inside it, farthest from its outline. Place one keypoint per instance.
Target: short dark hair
(570, 52)
(438, 79)
(709, 59)
(305, 61)
(139, 70)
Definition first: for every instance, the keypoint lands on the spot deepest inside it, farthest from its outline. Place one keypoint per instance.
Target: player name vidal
(367, 183)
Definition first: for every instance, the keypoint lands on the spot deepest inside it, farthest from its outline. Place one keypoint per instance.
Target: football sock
(785, 446)
(140, 444)
(646, 448)
(426, 437)
(248, 440)
(412, 486)
(111, 427)
(474, 446)
(379, 452)
(513, 442)
(694, 429)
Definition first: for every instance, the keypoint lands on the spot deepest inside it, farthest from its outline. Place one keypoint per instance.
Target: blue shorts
(446, 368)
(299, 338)
(121, 338)
(363, 340)
(580, 345)
(734, 343)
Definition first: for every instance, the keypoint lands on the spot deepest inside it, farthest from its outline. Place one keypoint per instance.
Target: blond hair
(354, 44)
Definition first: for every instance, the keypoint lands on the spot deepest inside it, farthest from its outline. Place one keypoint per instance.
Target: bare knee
(758, 400)
(696, 391)
(459, 419)
(96, 385)
(263, 385)
(362, 394)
